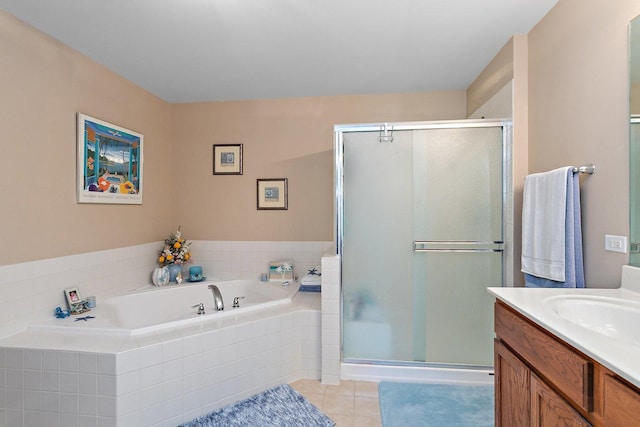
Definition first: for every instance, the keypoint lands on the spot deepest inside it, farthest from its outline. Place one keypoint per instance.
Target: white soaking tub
(154, 309)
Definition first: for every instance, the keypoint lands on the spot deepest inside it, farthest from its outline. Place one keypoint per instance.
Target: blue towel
(574, 266)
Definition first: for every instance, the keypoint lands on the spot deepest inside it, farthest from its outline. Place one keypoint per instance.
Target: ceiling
(207, 50)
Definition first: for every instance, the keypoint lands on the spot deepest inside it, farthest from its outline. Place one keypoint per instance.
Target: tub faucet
(217, 298)
(200, 308)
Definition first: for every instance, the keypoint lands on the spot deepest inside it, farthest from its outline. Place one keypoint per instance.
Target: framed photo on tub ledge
(76, 304)
(109, 165)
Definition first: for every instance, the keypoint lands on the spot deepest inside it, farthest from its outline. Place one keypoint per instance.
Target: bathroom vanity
(568, 357)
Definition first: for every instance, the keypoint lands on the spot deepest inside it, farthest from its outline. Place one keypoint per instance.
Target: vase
(160, 276)
(174, 269)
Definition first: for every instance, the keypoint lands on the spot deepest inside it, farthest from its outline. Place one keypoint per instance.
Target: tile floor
(350, 404)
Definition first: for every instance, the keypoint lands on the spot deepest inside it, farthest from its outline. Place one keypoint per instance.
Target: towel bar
(590, 169)
(457, 246)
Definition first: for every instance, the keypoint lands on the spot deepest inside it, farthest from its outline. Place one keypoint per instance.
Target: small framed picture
(227, 159)
(74, 299)
(272, 194)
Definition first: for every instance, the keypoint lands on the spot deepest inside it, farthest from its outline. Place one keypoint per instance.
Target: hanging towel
(552, 230)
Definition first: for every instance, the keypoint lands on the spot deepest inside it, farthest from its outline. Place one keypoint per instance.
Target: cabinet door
(621, 404)
(570, 372)
(549, 409)
(512, 388)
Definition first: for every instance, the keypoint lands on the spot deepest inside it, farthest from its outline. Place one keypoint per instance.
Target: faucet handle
(236, 302)
(200, 308)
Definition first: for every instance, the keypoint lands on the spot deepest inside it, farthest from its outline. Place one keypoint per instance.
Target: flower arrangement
(175, 250)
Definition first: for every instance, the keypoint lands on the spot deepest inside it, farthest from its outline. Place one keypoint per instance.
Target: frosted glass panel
(458, 324)
(458, 184)
(634, 191)
(428, 185)
(377, 265)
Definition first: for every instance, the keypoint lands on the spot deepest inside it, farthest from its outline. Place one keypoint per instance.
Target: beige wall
(43, 84)
(282, 138)
(493, 78)
(507, 74)
(578, 114)
(520, 152)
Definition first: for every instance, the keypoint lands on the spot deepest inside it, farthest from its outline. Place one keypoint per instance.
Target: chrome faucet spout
(218, 304)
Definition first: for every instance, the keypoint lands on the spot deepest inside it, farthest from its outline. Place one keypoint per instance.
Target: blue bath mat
(426, 405)
(280, 406)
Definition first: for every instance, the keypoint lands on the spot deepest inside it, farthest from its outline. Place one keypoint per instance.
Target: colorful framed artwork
(272, 194)
(227, 159)
(109, 163)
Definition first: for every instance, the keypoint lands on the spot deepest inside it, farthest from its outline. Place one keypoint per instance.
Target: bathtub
(153, 309)
(161, 363)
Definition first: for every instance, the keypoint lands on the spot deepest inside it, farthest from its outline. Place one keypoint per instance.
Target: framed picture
(109, 163)
(74, 299)
(227, 159)
(280, 271)
(272, 193)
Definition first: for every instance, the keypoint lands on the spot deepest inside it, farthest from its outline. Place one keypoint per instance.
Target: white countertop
(620, 356)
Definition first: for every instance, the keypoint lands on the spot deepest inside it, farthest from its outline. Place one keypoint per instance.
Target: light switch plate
(615, 243)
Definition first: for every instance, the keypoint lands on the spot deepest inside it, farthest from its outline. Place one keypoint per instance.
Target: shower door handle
(457, 246)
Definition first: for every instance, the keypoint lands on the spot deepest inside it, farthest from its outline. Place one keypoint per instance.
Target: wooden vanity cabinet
(512, 388)
(621, 404)
(523, 399)
(542, 381)
(548, 408)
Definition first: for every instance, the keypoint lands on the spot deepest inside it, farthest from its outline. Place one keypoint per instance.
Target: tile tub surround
(160, 379)
(247, 260)
(42, 384)
(30, 291)
(331, 329)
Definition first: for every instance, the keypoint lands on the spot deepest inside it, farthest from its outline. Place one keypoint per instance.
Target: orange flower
(103, 184)
(127, 188)
(177, 245)
(169, 257)
(161, 259)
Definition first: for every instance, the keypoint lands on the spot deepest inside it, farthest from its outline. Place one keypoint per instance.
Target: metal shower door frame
(340, 130)
(383, 128)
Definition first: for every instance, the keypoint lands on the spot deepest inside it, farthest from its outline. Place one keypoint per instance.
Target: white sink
(614, 317)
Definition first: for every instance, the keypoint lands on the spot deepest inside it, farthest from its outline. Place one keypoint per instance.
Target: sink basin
(614, 317)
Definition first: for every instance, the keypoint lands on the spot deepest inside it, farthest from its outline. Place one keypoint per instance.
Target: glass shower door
(634, 191)
(457, 223)
(422, 239)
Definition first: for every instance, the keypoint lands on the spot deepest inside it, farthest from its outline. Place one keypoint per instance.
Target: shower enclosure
(420, 231)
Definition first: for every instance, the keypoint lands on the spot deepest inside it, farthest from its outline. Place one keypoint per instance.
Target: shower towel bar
(590, 169)
(457, 246)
